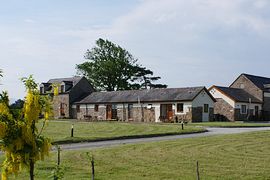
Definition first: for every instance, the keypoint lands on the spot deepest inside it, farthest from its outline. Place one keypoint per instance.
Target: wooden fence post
(198, 173)
(58, 155)
(93, 168)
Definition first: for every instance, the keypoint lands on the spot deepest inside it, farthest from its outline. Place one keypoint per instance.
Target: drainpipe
(249, 100)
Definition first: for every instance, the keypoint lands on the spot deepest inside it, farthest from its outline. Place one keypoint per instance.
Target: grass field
(230, 124)
(60, 131)
(241, 156)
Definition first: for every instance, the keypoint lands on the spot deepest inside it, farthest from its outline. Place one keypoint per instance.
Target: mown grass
(60, 131)
(230, 124)
(241, 156)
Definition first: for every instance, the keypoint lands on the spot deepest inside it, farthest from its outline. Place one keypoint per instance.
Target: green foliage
(4, 98)
(29, 83)
(57, 173)
(1, 73)
(110, 67)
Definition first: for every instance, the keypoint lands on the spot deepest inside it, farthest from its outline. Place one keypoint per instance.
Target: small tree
(22, 143)
(146, 78)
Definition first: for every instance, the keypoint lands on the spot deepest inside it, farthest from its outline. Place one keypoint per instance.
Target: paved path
(211, 132)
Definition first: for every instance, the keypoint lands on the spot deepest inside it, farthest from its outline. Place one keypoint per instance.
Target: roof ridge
(255, 76)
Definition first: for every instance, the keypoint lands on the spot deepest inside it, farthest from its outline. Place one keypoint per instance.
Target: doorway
(166, 112)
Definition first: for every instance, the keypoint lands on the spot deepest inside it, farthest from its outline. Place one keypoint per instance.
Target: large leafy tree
(21, 141)
(110, 67)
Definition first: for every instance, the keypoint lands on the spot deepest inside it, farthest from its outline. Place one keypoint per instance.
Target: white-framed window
(243, 109)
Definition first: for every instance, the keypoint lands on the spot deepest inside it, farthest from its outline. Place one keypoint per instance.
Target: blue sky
(187, 43)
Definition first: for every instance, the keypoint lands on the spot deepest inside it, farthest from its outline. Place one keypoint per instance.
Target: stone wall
(249, 87)
(57, 100)
(137, 114)
(91, 114)
(183, 117)
(149, 114)
(224, 109)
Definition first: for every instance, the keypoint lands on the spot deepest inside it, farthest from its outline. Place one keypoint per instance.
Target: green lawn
(241, 156)
(230, 124)
(60, 131)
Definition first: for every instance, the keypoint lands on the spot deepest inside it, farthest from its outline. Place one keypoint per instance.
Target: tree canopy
(110, 67)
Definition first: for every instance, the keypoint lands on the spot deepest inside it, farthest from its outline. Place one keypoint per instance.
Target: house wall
(239, 116)
(150, 112)
(199, 101)
(248, 86)
(266, 106)
(78, 92)
(57, 100)
(219, 95)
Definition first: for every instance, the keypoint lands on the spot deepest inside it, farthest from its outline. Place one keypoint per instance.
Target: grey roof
(74, 80)
(151, 95)
(260, 82)
(239, 95)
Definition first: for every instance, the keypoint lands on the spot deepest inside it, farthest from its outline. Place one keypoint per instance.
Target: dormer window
(62, 88)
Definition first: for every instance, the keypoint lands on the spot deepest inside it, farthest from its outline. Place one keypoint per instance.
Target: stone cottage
(70, 91)
(248, 95)
(233, 104)
(151, 105)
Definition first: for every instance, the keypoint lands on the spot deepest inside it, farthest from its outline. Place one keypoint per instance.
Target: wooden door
(109, 112)
(169, 112)
(62, 109)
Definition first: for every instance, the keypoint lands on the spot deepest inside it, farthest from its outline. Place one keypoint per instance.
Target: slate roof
(238, 95)
(259, 81)
(69, 83)
(74, 80)
(151, 95)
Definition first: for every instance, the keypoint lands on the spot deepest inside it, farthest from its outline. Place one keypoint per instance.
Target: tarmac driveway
(211, 131)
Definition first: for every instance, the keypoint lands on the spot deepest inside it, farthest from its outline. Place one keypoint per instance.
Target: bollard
(182, 124)
(93, 167)
(72, 130)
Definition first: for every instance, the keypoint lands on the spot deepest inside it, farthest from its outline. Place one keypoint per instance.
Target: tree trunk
(32, 167)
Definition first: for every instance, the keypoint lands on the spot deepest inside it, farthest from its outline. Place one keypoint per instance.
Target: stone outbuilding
(248, 94)
(70, 90)
(234, 104)
(194, 104)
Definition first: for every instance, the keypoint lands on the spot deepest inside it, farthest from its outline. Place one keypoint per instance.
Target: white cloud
(187, 43)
